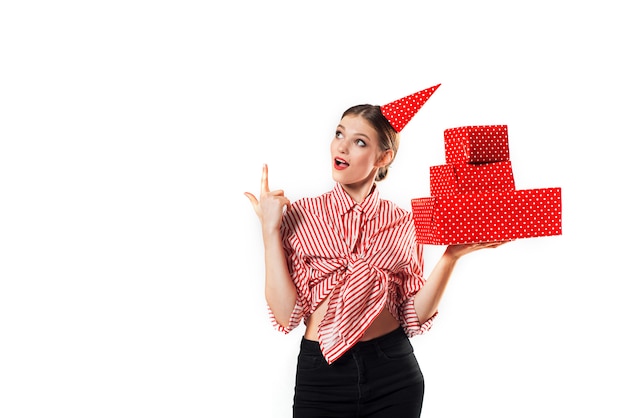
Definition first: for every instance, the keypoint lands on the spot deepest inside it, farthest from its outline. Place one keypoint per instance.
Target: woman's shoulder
(309, 206)
(392, 208)
(306, 207)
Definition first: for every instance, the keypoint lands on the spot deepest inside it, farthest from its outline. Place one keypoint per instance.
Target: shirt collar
(344, 202)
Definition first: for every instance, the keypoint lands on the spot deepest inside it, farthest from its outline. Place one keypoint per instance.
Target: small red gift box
(488, 216)
(476, 144)
(471, 178)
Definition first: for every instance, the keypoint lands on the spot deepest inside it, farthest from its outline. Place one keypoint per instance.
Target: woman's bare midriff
(383, 324)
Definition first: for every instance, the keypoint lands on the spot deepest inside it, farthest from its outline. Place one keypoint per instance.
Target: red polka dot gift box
(476, 144)
(473, 196)
(488, 216)
(471, 178)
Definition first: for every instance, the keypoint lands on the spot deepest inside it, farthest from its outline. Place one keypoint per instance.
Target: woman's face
(355, 152)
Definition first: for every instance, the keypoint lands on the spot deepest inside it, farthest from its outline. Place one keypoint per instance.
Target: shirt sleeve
(412, 279)
(298, 271)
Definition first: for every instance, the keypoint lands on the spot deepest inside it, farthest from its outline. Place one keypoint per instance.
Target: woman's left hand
(459, 250)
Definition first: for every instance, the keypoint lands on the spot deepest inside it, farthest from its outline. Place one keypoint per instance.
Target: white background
(131, 270)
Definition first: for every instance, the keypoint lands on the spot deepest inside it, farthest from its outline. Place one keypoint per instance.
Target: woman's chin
(337, 177)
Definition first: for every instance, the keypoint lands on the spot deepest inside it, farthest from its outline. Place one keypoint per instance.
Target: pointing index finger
(264, 184)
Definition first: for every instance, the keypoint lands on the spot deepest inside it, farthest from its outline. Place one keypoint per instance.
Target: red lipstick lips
(341, 164)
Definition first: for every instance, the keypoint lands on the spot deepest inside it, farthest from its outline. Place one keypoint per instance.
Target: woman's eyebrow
(357, 133)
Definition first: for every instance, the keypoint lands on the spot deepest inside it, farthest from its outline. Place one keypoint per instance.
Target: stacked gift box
(473, 196)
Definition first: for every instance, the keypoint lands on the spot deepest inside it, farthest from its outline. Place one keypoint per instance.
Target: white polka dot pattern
(473, 196)
(471, 178)
(486, 217)
(401, 111)
(476, 144)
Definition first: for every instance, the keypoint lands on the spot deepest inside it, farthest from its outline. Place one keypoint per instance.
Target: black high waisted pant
(378, 378)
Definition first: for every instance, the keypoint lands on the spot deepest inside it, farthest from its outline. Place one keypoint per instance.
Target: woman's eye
(338, 135)
(360, 143)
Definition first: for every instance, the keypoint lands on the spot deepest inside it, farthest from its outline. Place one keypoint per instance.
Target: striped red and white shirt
(364, 256)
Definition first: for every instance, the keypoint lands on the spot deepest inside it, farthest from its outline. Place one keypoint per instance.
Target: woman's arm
(280, 291)
(428, 298)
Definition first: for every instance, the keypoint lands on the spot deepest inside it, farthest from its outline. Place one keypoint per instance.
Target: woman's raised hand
(270, 205)
(459, 250)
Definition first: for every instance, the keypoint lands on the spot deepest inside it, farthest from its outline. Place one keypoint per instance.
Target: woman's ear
(385, 159)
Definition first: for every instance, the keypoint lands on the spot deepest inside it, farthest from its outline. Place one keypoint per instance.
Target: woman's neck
(358, 192)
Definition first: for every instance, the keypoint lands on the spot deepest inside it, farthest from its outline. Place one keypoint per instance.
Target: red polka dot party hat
(401, 111)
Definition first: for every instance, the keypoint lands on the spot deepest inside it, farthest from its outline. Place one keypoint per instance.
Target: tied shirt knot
(361, 293)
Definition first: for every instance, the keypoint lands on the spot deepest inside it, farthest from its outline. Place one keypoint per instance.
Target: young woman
(346, 263)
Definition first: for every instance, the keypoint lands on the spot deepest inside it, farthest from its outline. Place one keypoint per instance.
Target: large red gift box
(473, 196)
(487, 217)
